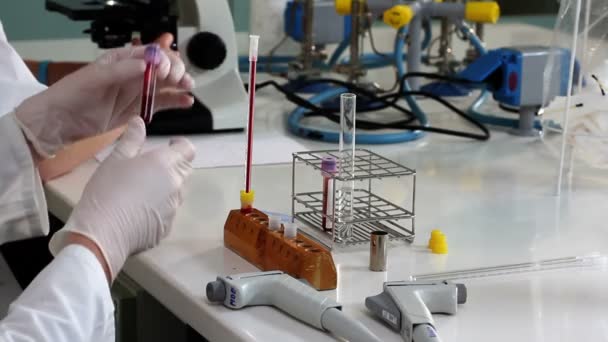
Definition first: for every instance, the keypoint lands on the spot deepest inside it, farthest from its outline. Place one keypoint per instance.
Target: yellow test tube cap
(440, 245)
(344, 7)
(482, 12)
(435, 233)
(398, 16)
(247, 198)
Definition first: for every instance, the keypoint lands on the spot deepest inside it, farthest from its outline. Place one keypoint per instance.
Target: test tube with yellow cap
(248, 195)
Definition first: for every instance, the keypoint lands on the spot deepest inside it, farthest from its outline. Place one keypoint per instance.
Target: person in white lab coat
(127, 206)
(17, 83)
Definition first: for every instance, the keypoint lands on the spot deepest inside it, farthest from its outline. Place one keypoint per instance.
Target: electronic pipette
(407, 306)
(291, 296)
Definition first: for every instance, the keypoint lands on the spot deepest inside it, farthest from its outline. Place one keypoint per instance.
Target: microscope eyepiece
(113, 23)
(206, 50)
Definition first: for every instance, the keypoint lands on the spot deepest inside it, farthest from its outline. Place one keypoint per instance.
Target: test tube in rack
(346, 187)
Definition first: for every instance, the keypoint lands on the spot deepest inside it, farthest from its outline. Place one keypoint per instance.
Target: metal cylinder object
(378, 251)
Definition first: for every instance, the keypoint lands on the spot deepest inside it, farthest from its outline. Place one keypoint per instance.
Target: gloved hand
(130, 202)
(100, 97)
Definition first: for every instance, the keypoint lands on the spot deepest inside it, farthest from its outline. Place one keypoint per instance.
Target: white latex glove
(130, 202)
(100, 97)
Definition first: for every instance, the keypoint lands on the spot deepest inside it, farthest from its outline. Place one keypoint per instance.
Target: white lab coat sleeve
(69, 301)
(16, 81)
(23, 211)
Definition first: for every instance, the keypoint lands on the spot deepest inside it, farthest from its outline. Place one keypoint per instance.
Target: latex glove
(100, 97)
(130, 202)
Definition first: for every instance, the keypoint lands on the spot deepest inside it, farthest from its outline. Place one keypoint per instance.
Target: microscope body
(205, 38)
(208, 45)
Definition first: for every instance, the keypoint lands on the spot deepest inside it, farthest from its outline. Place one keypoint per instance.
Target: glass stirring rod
(152, 58)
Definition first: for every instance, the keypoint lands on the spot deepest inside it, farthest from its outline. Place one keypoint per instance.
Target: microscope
(204, 36)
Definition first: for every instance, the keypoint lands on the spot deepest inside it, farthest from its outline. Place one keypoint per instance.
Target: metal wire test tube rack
(370, 211)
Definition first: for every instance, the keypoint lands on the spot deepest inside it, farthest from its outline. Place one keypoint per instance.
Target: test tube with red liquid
(248, 195)
(152, 59)
(329, 167)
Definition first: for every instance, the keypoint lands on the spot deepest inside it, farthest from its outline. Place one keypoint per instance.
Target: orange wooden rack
(248, 235)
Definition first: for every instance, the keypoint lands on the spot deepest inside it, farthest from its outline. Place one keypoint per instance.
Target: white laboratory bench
(494, 200)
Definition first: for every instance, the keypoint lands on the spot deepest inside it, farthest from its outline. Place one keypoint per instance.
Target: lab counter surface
(494, 200)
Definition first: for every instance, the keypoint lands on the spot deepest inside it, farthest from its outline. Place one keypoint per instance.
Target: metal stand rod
(479, 30)
(445, 46)
(354, 41)
(308, 44)
(527, 117)
(413, 51)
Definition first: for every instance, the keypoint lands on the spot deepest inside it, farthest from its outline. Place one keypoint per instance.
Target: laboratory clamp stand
(368, 212)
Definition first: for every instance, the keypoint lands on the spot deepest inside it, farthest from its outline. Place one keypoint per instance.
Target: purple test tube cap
(152, 54)
(329, 164)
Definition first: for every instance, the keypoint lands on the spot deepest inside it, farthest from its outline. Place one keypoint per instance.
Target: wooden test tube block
(302, 258)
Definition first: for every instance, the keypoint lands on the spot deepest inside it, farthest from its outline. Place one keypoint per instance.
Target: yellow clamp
(482, 12)
(398, 16)
(344, 7)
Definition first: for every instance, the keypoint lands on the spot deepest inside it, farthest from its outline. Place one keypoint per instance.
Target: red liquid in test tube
(252, 72)
(152, 58)
(329, 168)
(247, 195)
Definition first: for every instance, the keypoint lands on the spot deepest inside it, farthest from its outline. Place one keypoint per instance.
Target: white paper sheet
(218, 150)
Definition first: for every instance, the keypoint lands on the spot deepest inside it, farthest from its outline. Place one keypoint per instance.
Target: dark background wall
(527, 7)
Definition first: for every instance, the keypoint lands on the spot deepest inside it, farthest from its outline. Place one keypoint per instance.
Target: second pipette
(248, 195)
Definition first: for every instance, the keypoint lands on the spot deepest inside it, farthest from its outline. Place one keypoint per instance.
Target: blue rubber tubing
(295, 116)
(293, 123)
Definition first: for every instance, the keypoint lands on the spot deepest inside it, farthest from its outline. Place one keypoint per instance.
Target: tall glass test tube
(346, 189)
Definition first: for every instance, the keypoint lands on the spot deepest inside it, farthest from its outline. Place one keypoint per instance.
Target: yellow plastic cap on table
(398, 16)
(482, 12)
(435, 236)
(440, 245)
(344, 7)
